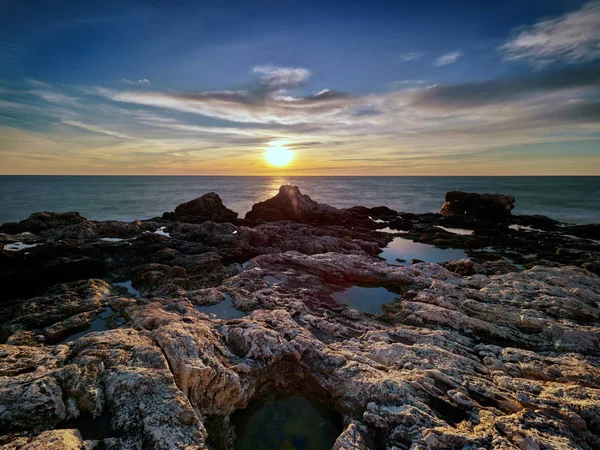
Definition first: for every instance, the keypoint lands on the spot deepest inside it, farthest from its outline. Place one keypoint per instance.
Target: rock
(484, 355)
(49, 440)
(352, 438)
(481, 206)
(588, 231)
(208, 207)
(44, 221)
(291, 204)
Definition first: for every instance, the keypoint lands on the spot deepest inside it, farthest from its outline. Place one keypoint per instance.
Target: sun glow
(279, 156)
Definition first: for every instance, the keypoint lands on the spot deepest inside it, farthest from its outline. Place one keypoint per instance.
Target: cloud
(243, 106)
(476, 94)
(95, 129)
(407, 82)
(410, 56)
(142, 81)
(57, 97)
(448, 58)
(276, 77)
(411, 126)
(571, 38)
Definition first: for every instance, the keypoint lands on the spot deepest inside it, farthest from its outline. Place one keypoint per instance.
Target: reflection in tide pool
(224, 310)
(366, 299)
(98, 324)
(289, 423)
(130, 289)
(406, 249)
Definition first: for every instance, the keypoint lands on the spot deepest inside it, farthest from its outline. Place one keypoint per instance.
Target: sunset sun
(278, 156)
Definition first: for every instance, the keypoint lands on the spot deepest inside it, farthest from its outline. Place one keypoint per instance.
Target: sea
(128, 198)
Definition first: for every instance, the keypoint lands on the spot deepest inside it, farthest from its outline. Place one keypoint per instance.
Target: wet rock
(481, 206)
(208, 207)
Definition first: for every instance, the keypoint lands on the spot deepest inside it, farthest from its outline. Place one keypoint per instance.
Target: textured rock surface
(482, 206)
(208, 207)
(477, 354)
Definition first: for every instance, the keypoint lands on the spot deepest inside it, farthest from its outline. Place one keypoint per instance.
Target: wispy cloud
(410, 56)
(571, 38)
(407, 82)
(57, 97)
(406, 128)
(448, 58)
(95, 129)
(477, 94)
(276, 77)
(142, 81)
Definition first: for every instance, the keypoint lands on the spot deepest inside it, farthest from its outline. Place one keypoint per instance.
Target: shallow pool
(98, 324)
(287, 424)
(366, 299)
(223, 310)
(405, 249)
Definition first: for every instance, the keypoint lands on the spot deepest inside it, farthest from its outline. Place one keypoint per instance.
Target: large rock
(208, 207)
(42, 221)
(291, 204)
(480, 206)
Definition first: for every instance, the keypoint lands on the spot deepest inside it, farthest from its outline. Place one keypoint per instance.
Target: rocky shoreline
(108, 339)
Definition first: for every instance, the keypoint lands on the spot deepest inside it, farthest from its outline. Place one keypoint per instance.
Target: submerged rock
(481, 206)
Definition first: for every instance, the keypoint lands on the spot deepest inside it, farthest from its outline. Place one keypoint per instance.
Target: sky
(431, 87)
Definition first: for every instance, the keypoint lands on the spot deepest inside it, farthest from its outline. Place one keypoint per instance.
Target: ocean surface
(569, 199)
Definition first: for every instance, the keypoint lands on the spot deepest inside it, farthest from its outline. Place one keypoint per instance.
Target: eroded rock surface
(479, 353)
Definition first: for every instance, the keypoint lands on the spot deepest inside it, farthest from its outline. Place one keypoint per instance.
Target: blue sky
(353, 87)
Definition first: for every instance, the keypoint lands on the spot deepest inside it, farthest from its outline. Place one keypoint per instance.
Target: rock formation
(479, 353)
(480, 206)
(208, 207)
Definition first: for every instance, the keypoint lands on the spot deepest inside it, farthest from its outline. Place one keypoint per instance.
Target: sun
(279, 156)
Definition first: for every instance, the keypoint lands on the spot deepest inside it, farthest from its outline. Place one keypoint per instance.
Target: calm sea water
(570, 199)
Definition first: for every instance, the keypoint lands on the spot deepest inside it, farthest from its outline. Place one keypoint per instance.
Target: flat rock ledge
(480, 354)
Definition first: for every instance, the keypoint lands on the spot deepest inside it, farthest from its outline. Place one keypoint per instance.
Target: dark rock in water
(481, 206)
(208, 207)
(588, 231)
(291, 204)
(44, 221)
(539, 222)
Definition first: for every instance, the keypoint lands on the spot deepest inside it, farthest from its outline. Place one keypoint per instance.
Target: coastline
(494, 350)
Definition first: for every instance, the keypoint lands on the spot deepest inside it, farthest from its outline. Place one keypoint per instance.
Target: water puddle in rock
(524, 228)
(402, 250)
(162, 232)
(90, 428)
(98, 324)
(289, 423)
(273, 281)
(130, 289)
(109, 239)
(461, 231)
(18, 246)
(366, 299)
(389, 230)
(224, 310)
